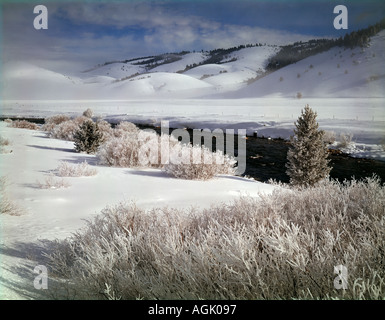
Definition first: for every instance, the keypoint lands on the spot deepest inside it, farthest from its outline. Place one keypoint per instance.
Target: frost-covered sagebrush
(65, 130)
(24, 124)
(88, 113)
(131, 149)
(124, 127)
(3, 144)
(198, 163)
(83, 169)
(279, 246)
(345, 139)
(7, 206)
(51, 122)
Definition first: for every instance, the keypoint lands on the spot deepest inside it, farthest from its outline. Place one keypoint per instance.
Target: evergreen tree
(88, 137)
(307, 156)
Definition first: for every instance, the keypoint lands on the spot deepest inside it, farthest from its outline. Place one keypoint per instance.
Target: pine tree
(307, 156)
(88, 137)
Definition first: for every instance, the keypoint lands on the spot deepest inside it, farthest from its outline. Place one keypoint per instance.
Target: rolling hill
(239, 72)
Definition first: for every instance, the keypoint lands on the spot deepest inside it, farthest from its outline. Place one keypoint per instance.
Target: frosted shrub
(23, 124)
(88, 113)
(3, 144)
(117, 152)
(127, 127)
(149, 149)
(345, 139)
(66, 130)
(105, 128)
(83, 169)
(56, 119)
(280, 246)
(131, 150)
(80, 120)
(7, 206)
(140, 148)
(4, 141)
(329, 137)
(198, 163)
(52, 122)
(51, 182)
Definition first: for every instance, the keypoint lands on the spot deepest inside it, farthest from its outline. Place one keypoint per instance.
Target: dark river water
(266, 159)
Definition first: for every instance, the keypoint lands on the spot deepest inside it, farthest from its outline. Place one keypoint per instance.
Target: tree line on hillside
(361, 37)
(288, 54)
(300, 50)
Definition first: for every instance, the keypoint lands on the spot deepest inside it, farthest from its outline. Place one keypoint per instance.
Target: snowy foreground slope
(56, 213)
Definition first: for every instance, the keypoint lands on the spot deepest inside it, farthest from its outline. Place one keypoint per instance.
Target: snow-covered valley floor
(56, 213)
(361, 118)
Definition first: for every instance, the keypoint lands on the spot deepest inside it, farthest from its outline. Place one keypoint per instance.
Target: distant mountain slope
(159, 84)
(25, 81)
(338, 72)
(238, 72)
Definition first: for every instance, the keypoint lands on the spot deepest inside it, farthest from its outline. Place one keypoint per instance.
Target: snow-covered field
(345, 88)
(56, 213)
(363, 118)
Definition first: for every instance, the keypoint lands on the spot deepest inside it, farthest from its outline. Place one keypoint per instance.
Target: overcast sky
(82, 34)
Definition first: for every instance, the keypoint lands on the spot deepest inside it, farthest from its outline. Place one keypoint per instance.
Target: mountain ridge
(346, 67)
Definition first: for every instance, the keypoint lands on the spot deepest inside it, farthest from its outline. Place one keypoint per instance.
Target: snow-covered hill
(182, 75)
(223, 73)
(339, 72)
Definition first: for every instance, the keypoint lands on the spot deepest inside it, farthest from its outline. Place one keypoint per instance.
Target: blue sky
(83, 33)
